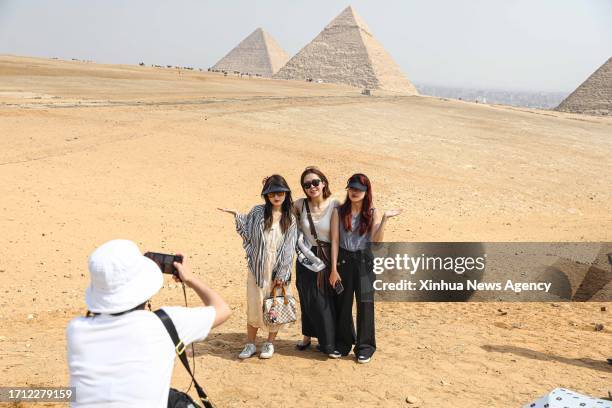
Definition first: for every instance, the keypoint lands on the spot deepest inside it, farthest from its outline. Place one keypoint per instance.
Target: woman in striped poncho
(269, 234)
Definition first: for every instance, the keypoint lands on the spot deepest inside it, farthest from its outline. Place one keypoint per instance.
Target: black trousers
(355, 269)
(317, 306)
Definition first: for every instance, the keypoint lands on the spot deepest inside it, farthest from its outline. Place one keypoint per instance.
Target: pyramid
(256, 54)
(594, 96)
(345, 52)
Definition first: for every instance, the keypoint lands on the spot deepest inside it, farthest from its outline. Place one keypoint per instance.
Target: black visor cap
(274, 188)
(357, 185)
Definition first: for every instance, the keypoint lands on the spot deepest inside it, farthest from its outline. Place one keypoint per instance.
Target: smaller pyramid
(593, 96)
(257, 54)
(346, 52)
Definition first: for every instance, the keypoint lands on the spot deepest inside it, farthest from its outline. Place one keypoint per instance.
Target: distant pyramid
(256, 54)
(345, 52)
(594, 96)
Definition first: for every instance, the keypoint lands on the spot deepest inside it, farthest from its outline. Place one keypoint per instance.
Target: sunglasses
(313, 183)
(276, 194)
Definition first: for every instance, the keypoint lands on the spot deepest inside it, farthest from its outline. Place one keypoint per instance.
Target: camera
(165, 261)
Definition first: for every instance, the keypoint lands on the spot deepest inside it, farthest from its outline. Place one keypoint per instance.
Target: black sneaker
(363, 359)
(335, 354)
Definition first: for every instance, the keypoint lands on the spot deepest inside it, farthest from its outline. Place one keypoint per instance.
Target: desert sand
(92, 152)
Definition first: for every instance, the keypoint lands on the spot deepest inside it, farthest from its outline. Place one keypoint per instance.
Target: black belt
(358, 254)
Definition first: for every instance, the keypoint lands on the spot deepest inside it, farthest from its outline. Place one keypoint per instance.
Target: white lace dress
(256, 295)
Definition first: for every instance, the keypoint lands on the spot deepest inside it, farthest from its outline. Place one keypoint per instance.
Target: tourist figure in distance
(269, 234)
(316, 294)
(120, 354)
(354, 226)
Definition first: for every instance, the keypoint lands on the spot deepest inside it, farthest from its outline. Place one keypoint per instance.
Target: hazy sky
(538, 45)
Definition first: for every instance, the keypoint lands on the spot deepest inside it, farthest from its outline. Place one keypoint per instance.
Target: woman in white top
(316, 294)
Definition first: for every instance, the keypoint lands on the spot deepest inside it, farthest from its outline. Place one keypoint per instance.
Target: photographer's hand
(184, 272)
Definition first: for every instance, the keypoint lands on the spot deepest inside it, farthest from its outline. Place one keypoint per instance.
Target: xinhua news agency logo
(473, 271)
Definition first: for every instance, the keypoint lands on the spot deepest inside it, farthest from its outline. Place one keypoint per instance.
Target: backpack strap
(180, 351)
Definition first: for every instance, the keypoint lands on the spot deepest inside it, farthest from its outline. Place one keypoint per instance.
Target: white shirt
(322, 221)
(127, 360)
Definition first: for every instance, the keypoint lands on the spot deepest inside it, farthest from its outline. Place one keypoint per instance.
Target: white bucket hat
(121, 278)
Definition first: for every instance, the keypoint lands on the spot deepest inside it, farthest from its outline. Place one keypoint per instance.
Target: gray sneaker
(248, 351)
(267, 350)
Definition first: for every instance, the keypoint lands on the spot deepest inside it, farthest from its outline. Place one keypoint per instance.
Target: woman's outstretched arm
(378, 227)
(241, 222)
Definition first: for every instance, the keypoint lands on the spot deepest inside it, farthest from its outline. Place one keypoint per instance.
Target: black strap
(322, 278)
(139, 307)
(180, 351)
(313, 230)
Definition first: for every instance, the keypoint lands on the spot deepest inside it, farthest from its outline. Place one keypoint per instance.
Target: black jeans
(355, 269)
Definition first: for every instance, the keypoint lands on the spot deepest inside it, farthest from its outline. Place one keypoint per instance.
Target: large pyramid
(345, 52)
(594, 96)
(256, 54)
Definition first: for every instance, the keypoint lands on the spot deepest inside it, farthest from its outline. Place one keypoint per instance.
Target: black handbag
(179, 399)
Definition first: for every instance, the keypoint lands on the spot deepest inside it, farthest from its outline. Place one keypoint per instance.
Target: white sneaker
(267, 350)
(248, 351)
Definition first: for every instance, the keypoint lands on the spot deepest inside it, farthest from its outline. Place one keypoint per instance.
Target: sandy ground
(93, 152)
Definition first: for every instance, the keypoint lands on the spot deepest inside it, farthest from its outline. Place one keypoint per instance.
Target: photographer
(121, 354)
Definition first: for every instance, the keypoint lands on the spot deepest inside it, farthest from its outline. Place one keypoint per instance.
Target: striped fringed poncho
(251, 228)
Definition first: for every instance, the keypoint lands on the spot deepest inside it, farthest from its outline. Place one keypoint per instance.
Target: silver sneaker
(248, 351)
(267, 350)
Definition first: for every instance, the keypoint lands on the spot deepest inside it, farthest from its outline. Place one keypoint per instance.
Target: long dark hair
(315, 170)
(286, 207)
(366, 219)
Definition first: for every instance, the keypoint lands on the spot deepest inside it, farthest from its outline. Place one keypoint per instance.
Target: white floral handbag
(279, 310)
